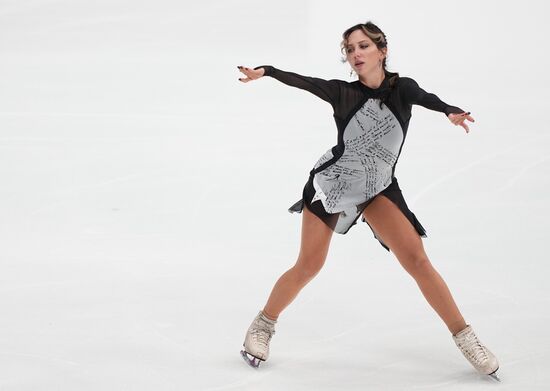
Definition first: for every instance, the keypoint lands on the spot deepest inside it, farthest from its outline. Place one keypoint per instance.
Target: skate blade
(494, 376)
(254, 362)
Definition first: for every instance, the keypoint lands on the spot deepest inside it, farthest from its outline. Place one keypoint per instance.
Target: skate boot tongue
(266, 319)
(462, 333)
(264, 328)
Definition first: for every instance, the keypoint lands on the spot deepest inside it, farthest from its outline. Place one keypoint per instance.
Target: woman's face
(362, 53)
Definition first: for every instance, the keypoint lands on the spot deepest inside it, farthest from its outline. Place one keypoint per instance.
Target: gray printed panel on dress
(372, 140)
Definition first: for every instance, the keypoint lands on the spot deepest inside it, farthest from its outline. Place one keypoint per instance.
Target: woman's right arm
(328, 90)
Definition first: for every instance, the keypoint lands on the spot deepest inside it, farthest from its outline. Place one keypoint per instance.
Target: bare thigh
(315, 242)
(391, 225)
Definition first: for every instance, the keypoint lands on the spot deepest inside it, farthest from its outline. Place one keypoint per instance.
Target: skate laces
(474, 348)
(262, 331)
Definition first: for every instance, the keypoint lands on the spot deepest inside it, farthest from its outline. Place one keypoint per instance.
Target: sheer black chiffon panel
(342, 222)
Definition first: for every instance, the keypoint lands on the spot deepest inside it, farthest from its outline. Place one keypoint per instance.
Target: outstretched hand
(458, 119)
(251, 74)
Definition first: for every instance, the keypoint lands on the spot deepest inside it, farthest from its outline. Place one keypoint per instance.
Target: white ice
(144, 194)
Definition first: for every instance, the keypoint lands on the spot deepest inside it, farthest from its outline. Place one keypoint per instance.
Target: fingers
(468, 116)
(458, 119)
(249, 73)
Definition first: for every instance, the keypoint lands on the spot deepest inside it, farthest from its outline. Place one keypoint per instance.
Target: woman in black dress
(356, 178)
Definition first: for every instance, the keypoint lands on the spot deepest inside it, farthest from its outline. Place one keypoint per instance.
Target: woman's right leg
(314, 246)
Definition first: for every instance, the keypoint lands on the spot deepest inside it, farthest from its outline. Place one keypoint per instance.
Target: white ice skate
(479, 356)
(256, 341)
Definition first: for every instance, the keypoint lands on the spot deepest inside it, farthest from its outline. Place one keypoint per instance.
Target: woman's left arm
(412, 93)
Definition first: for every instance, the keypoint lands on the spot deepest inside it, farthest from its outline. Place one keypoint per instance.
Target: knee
(307, 268)
(417, 264)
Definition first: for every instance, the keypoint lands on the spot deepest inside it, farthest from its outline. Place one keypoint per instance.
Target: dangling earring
(351, 73)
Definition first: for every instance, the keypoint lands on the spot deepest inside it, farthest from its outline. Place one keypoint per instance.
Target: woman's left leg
(397, 232)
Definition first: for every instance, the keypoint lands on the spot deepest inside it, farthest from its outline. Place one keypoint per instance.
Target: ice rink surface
(144, 195)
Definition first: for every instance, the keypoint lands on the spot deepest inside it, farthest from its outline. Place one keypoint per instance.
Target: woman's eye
(364, 46)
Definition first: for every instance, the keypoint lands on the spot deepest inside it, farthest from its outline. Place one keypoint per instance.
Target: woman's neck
(373, 80)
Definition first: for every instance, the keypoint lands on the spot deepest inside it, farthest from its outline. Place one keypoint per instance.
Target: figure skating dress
(372, 125)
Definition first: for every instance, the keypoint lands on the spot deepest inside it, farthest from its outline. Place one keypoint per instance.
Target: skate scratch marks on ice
(96, 115)
(47, 358)
(179, 344)
(76, 190)
(521, 173)
(255, 376)
(452, 173)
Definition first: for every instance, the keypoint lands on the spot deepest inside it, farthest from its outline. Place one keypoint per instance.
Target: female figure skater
(356, 178)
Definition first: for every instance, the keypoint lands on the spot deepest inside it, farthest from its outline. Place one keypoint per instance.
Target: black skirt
(342, 222)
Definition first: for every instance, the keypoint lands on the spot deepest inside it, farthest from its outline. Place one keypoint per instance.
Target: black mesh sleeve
(328, 90)
(413, 94)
